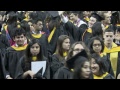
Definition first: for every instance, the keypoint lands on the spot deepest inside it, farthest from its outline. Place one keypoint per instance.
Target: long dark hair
(78, 68)
(59, 49)
(101, 62)
(12, 20)
(97, 29)
(28, 55)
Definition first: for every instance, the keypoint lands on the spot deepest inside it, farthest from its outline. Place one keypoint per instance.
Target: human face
(97, 47)
(108, 37)
(107, 18)
(91, 21)
(35, 49)
(20, 39)
(38, 26)
(73, 17)
(66, 44)
(86, 70)
(94, 67)
(78, 48)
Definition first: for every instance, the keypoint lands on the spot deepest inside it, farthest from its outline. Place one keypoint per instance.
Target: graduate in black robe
(55, 29)
(63, 73)
(33, 54)
(66, 72)
(58, 58)
(74, 31)
(99, 49)
(11, 23)
(4, 44)
(88, 31)
(101, 73)
(38, 34)
(14, 53)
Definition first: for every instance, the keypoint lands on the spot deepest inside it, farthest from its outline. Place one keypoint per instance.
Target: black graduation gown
(55, 64)
(71, 31)
(4, 44)
(53, 42)
(80, 31)
(43, 41)
(108, 76)
(108, 65)
(85, 37)
(21, 69)
(12, 57)
(118, 63)
(63, 73)
(10, 29)
(1, 66)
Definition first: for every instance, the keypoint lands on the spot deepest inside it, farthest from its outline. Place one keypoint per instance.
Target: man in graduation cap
(55, 29)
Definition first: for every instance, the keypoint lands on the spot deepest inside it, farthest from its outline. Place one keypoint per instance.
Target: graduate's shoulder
(10, 49)
(109, 76)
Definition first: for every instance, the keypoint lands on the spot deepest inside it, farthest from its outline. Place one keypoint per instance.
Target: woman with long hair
(33, 54)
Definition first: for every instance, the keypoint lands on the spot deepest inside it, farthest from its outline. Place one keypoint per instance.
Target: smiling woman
(99, 68)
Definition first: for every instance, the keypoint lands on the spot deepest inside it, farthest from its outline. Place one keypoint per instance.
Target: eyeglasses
(96, 45)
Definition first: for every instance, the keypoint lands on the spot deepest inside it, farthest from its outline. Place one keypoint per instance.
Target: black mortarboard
(71, 62)
(97, 16)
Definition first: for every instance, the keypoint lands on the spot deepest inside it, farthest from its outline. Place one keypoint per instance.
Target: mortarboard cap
(97, 16)
(71, 62)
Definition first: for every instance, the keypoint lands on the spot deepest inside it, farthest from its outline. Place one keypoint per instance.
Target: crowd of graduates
(74, 44)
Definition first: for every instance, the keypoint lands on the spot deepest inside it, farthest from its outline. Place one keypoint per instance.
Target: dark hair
(28, 55)
(30, 44)
(35, 21)
(59, 49)
(12, 18)
(101, 62)
(108, 30)
(25, 26)
(90, 45)
(19, 31)
(78, 68)
(97, 30)
(54, 23)
(70, 52)
(33, 15)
